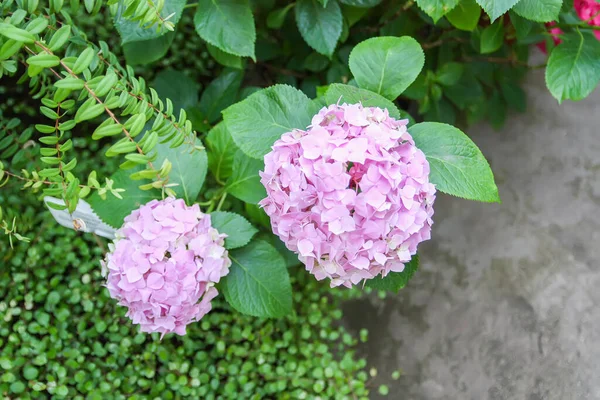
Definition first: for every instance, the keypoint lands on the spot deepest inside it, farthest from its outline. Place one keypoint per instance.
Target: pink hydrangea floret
(164, 263)
(351, 194)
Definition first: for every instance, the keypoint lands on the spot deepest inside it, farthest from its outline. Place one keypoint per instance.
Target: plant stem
(221, 201)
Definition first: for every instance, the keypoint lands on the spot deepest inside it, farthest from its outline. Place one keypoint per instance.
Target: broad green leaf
(457, 165)
(258, 283)
(573, 69)
(131, 31)
(276, 18)
(495, 8)
(290, 258)
(538, 10)
(321, 27)
(221, 151)
(466, 91)
(450, 73)
(175, 85)
(522, 26)
(244, 182)
(226, 59)
(436, 9)
(394, 281)
(258, 121)
(237, 228)
(386, 65)
(492, 38)
(220, 93)
(228, 25)
(361, 3)
(148, 51)
(465, 16)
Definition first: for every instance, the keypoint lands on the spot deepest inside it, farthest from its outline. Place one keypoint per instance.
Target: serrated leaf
(222, 149)
(436, 9)
(361, 3)
(573, 69)
(375, 64)
(394, 281)
(258, 282)
(228, 25)
(495, 8)
(258, 121)
(538, 10)
(220, 94)
(131, 31)
(244, 182)
(321, 27)
(457, 165)
(237, 228)
(465, 16)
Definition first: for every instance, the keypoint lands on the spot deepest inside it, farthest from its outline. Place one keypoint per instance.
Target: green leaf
(375, 64)
(258, 283)
(466, 91)
(220, 94)
(538, 10)
(20, 35)
(221, 151)
(237, 228)
(226, 59)
(276, 18)
(394, 281)
(522, 26)
(495, 8)
(44, 60)
(321, 27)
(492, 38)
(131, 31)
(148, 51)
(436, 9)
(465, 16)
(573, 69)
(59, 38)
(258, 121)
(228, 25)
(352, 95)
(84, 60)
(450, 73)
(175, 85)
(457, 165)
(361, 3)
(244, 182)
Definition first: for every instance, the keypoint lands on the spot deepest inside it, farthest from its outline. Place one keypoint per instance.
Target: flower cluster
(164, 263)
(587, 10)
(351, 195)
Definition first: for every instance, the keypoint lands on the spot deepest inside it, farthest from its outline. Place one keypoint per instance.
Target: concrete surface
(506, 304)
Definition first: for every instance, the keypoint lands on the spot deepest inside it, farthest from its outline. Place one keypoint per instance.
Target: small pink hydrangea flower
(163, 265)
(351, 195)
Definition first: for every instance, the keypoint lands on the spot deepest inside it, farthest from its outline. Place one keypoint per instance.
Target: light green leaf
(495, 8)
(237, 228)
(221, 151)
(321, 27)
(539, 10)
(394, 281)
(258, 282)
(12, 32)
(492, 38)
(59, 38)
(436, 9)
(573, 69)
(244, 182)
(375, 64)
(148, 51)
(226, 59)
(465, 16)
(131, 31)
(176, 85)
(457, 165)
(258, 121)
(228, 25)
(220, 93)
(44, 60)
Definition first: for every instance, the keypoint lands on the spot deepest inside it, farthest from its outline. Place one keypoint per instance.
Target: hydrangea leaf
(178, 87)
(573, 69)
(221, 151)
(220, 93)
(148, 51)
(457, 165)
(538, 10)
(492, 38)
(375, 64)
(258, 283)
(495, 8)
(394, 281)
(436, 9)
(258, 121)
(223, 58)
(237, 228)
(228, 25)
(465, 15)
(244, 182)
(361, 3)
(131, 31)
(320, 26)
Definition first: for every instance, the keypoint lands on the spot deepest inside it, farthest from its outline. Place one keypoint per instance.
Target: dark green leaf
(176, 86)
(450, 73)
(492, 38)
(220, 94)
(148, 51)
(237, 228)
(394, 281)
(131, 31)
(276, 18)
(320, 26)
(226, 59)
(361, 3)
(221, 151)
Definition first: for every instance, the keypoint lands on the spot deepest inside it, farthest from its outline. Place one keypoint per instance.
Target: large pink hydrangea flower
(164, 263)
(351, 195)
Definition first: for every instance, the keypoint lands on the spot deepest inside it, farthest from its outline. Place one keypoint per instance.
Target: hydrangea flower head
(351, 194)
(164, 263)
